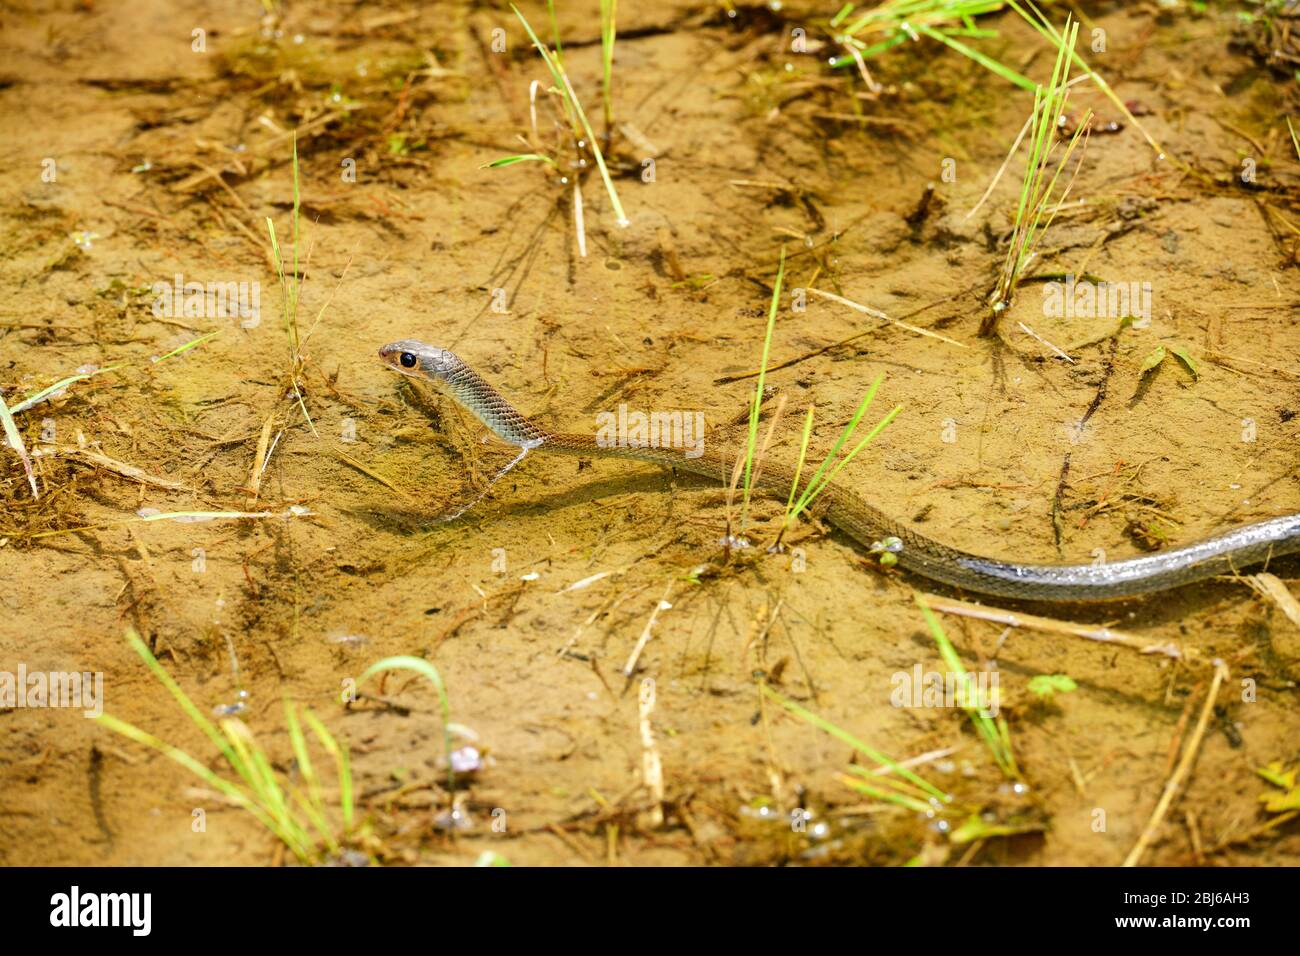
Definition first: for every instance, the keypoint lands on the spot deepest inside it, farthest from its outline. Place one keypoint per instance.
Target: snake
(1226, 552)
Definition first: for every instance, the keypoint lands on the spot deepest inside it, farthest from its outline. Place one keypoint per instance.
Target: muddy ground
(167, 161)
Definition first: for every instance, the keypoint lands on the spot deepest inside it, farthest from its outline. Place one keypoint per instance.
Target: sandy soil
(169, 161)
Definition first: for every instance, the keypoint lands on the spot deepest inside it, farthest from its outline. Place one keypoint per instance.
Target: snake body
(1226, 552)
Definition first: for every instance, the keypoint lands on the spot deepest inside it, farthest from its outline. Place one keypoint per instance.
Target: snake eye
(407, 360)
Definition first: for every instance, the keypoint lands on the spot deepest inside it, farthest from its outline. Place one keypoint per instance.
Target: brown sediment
(667, 314)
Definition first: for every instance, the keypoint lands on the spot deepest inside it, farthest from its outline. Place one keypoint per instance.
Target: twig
(1102, 634)
(353, 463)
(876, 313)
(1042, 341)
(652, 768)
(1272, 587)
(112, 464)
(630, 667)
(1184, 765)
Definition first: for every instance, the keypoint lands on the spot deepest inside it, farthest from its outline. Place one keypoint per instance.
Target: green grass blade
(297, 206)
(342, 762)
(1008, 74)
(752, 438)
(263, 784)
(313, 804)
(993, 732)
(63, 383)
(419, 665)
(555, 31)
(1043, 25)
(186, 347)
(798, 470)
(187, 705)
(566, 89)
(236, 795)
(15, 441)
(520, 158)
(845, 737)
(608, 33)
(844, 436)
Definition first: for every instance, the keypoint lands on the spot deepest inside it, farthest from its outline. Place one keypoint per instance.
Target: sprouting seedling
(575, 116)
(1046, 686)
(1155, 358)
(993, 731)
(895, 22)
(1284, 778)
(1039, 200)
(829, 467)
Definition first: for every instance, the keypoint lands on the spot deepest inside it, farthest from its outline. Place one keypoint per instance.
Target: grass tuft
(299, 819)
(821, 478)
(895, 22)
(576, 116)
(1039, 199)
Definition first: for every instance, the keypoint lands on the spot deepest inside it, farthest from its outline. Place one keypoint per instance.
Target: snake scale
(1226, 552)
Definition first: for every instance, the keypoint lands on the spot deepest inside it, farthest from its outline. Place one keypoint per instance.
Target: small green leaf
(1186, 359)
(1281, 802)
(1047, 685)
(521, 158)
(1277, 775)
(977, 829)
(1152, 360)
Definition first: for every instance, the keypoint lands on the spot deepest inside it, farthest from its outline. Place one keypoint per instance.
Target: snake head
(413, 357)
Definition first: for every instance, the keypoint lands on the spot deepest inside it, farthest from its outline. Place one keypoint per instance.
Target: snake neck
(472, 391)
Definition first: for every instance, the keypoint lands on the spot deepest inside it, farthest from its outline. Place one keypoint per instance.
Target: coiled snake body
(1226, 552)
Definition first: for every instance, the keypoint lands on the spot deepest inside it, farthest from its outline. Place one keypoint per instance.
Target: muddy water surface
(1046, 443)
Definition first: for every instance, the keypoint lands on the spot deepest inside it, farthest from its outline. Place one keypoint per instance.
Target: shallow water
(1002, 447)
